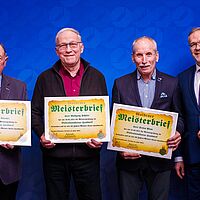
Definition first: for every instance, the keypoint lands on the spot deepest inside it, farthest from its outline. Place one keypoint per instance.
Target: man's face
(69, 48)
(194, 42)
(145, 56)
(3, 59)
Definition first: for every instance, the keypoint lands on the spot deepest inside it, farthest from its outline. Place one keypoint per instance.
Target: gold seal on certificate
(15, 122)
(142, 130)
(77, 119)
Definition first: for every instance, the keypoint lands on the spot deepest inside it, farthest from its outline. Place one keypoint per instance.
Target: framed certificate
(142, 130)
(77, 119)
(15, 122)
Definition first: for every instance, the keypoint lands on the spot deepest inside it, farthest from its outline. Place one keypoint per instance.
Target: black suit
(125, 91)
(10, 159)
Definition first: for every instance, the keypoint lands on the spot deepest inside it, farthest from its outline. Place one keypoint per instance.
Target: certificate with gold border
(15, 122)
(77, 119)
(142, 130)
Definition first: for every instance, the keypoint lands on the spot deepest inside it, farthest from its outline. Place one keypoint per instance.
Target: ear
(82, 48)
(6, 58)
(5, 61)
(157, 56)
(132, 57)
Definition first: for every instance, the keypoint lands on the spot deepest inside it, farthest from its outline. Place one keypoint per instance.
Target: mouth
(144, 66)
(197, 53)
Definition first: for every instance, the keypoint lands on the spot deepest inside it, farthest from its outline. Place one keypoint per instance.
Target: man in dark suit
(147, 87)
(189, 84)
(10, 158)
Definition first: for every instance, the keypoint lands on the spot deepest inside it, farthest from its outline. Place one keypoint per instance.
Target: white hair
(67, 29)
(144, 37)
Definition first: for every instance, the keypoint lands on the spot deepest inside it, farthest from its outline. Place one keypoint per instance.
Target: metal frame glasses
(72, 45)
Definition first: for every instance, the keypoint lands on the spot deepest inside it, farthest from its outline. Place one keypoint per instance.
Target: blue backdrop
(108, 28)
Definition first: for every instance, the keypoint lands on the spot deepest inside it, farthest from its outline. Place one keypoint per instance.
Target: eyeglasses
(63, 47)
(194, 44)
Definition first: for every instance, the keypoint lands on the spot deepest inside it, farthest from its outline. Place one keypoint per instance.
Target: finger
(173, 143)
(131, 157)
(178, 173)
(49, 146)
(92, 145)
(174, 140)
(4, 146)
(9, 146)
(96, 143)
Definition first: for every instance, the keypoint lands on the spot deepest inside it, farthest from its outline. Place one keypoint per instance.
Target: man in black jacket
(70, 76)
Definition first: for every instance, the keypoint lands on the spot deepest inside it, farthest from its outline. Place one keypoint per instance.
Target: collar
(153, 77)
(65, 72)
(197, 68)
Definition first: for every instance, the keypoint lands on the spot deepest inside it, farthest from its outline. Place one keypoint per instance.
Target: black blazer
(125, 91)
(191, 143)
(10, 159)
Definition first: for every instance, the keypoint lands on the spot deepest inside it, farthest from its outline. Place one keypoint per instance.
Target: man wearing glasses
(190, 87)
(10, 156)
(69, 76)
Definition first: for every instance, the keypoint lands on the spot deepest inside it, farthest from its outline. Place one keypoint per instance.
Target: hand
(174, 141)
(46, 143)
(179, 167)
(94, 144)
(128, 155)
(7, 146)
(198, 134)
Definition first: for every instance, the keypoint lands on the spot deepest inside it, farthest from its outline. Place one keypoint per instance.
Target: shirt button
(74, 90)
(146, 96)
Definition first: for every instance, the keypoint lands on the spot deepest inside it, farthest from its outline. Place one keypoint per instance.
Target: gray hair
(193, 30)
(144, 37)
(3, 47)
(67, 29)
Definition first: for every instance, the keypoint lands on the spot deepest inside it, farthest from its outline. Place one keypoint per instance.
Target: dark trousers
(193, 182)
(85, 172)
(8, 192)
(131, 182)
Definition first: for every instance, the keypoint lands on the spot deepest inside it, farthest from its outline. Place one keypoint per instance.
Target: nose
(68, 48)
(144, 59)
(198, 45)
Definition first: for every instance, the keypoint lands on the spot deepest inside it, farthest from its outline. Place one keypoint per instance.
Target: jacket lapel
(134, 88)
(5, 88)
(191, 86)
(159, 80)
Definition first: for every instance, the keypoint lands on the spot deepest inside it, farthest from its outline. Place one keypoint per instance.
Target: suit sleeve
(24, 92)
(178, 107)
(37, 109)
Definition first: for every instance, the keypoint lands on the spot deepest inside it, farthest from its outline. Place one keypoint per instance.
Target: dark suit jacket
(125, 91)
(10, 160)
(190, 143)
